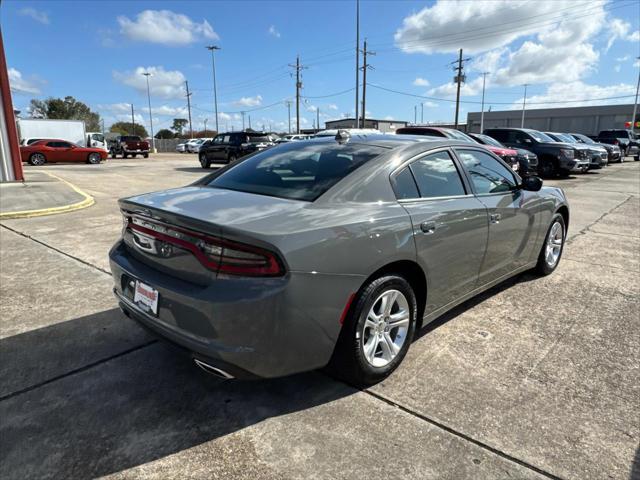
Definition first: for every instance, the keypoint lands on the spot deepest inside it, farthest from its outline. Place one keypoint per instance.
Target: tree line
(68, 108)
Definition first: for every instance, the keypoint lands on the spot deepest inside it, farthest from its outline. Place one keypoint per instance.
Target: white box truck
(32, 129)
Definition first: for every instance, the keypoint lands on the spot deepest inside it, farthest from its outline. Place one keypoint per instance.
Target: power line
(331, 94)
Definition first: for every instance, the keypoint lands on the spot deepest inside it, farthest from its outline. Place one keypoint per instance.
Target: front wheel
(377, 332)
(124, 155)
(551, 250)
(94, 158)
(547, 168)
(145, 155)
(37, 159)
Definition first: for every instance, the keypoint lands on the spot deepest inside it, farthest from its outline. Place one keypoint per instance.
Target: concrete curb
(87, 201)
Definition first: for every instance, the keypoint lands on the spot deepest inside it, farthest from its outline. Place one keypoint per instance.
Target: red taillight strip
(272, 266)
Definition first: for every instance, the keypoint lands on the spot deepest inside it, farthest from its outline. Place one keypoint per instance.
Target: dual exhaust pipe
(212, 370)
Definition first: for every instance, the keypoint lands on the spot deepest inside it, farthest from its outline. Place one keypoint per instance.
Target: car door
(212, 150)
(450, 225)
(513, 216)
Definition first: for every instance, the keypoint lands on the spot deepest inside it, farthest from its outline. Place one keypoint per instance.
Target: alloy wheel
(555, 240)
(385, 328)
(37, 159)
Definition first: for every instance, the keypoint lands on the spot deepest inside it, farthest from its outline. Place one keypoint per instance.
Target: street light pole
(484, 80)
(524, 104)
(205, 127)
(635, 105)
(215, 90)
(153, 141)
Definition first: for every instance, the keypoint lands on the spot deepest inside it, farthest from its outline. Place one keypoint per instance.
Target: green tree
(67, 108)
(178, 125)
(124, 128)
(165, 133)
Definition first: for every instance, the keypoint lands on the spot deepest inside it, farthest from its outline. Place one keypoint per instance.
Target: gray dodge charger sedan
(329, 252)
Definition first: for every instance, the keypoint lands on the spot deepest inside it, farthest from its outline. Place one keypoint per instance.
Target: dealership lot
(537, 378)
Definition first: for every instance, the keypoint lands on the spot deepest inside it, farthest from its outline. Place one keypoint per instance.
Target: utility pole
(365, 67)
(249, 122)
(288, 102)
(242, 113)
(153, 142)
(213, 48)
(635, 105)
(484, 79)
(133, 123)
(357, 118)
(421, 113)
(459, 79)
(524, 104)
(415, 114)
(298, 67)
(189, 107)
(205, 126)
(317, 119)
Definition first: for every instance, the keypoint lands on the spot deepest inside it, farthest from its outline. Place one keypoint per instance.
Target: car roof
(397, 141)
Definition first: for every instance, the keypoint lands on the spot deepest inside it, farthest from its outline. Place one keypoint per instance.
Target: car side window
(218, 140)
(437, 176)
(64, 145)
(52, 144)
(404, 185)
(226, 139)
(488, 175)
(499, 135)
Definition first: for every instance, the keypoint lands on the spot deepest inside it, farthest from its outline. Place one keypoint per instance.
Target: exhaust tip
(212, 370)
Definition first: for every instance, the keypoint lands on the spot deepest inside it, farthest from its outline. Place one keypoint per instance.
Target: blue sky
(566, 50)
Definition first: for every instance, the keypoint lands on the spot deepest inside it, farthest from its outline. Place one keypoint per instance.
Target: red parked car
(508, 155)
(54, 150)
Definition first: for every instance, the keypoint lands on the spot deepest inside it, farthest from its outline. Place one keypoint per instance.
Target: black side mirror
(531, 183)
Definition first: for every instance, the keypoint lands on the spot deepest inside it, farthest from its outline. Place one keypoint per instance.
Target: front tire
(553, 246)
(94, 158)
(548, 168)
(37, 159)
(377, 332)
(145, 155)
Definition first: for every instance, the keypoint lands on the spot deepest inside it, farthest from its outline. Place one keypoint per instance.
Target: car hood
(501, 151)
(558, 145)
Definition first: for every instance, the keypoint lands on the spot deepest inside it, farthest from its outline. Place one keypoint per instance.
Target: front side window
(488, 175)
(296, 170)
(218, 139)
(437, 176)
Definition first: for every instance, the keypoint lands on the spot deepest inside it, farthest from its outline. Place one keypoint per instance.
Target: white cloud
(617, 68)
(448, 90)
(115, 107)
(430, 104)
(18, 84)
(389, 117)
(619, 29)
(623, 59)
(163, 83)
(474, 26)
(166, 110)
(565, 92)
(165, 27)
(273, 32)
(332, 106)
(249, 101)
(421, 82)
(37, 15)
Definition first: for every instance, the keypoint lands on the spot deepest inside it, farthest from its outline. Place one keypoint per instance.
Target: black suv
(227, 147)
(625, 139)
(554, 158)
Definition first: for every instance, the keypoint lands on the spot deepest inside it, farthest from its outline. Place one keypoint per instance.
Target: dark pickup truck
(227, 147)
(627, 140)
(126, 145)
(554, 158)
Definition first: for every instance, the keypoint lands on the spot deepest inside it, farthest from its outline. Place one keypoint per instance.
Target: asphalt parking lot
(536, 378)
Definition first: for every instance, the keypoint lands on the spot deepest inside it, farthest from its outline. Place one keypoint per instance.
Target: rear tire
(374, 339)
(204, 161)
(232, 158)
(124, 155)
(113, 154)
(565, 173)
(553, 246)
(145, 155)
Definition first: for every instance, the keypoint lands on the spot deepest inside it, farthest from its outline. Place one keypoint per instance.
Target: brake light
(616, 142)
(215, 253)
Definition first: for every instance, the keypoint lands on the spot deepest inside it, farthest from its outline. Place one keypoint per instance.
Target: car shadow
(635, 466)
(132, 406)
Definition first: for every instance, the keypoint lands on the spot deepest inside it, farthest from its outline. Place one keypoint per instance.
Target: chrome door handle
(495, 217)
(428, 227)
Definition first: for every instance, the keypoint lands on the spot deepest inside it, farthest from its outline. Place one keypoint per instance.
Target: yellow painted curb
(87, 201)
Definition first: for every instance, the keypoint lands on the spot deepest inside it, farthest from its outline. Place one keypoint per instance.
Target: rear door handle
(428, 227)
(495, 217)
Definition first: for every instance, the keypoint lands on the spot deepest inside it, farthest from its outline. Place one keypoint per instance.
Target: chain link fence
(164, 145)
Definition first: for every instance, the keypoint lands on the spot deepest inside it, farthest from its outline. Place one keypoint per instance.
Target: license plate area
(146, 297)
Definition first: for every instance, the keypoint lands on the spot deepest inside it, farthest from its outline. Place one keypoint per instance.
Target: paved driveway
(537, 378)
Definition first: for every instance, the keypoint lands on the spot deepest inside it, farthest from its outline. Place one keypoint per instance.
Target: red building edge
(7, 106)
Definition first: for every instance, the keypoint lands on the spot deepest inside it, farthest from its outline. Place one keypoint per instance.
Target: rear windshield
(259, 139)
(296, 170)
(614, 134)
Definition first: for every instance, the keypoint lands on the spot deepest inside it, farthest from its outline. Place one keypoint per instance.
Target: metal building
(382, 125)
(10, 163)
(586, 120)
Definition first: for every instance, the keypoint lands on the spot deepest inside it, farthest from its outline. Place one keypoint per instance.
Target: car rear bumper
(249, 327)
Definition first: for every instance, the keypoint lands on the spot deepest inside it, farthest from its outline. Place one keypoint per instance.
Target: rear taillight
(616, 142)
(215, 253)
